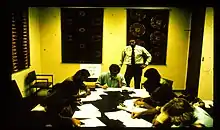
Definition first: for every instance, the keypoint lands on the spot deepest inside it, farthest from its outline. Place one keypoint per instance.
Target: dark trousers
(133, 71)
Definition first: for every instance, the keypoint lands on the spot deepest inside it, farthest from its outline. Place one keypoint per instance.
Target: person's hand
(88, 92)
(135, 114)
(139, 102)
(143, 66)
(76, 122)
(83, 95)
(104, 86)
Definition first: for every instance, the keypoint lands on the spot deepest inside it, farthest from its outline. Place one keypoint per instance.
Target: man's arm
(147, 56)
(99, 81)
(122, 57)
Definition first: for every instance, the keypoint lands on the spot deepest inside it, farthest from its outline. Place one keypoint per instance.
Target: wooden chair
(36, 81)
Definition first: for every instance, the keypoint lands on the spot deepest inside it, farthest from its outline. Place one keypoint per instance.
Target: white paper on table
(86, 114)
(127, 88)
(92, 122)
(125, 117)
(137, 123)
(88, 107)
(91, 97)
(114, 115)
(132, 109)
(99, 93)
(129, 106)
(113, 89)
(140, 93)
(38, 108)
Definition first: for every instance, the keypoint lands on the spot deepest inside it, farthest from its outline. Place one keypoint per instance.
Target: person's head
(152, 75)
(132, 42)
(179, 111)
(81, 75)
(114, 69)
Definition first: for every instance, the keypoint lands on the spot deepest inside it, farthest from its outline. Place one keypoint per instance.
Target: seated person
(160, 93)
(77, 79)
(179, 113)
(111, 79)
(195, 101)
(60, 103)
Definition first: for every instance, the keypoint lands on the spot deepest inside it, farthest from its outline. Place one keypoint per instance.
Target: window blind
(20, 40)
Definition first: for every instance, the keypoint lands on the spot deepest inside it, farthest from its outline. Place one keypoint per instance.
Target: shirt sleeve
(147, 56)
(122, 57)
(99, 80)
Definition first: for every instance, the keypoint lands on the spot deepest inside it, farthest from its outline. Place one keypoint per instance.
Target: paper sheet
(113, 89)
(88, 107)
(140, 93)
(125, 117)
(38, 108)
(91, 97)
(99, 92)
(114, 115)
(92, 122)
(86, 114)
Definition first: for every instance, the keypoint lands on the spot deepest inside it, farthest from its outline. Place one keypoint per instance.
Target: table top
(101, 107)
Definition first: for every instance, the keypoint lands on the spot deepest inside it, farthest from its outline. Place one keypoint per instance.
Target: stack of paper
(140, 93)
(92, 122)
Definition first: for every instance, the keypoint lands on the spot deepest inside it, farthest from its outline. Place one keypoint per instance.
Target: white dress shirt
(139, 51)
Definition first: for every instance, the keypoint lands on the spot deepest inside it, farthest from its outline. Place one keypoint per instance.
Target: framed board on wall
(81, 36)
(149, 27)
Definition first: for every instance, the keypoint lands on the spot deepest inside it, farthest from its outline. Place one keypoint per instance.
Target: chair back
(30, 77)
(15, 92)
(169, 82)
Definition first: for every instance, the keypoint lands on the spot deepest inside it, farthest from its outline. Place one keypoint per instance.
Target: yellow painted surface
(207, 69)
(35, 58)
(45, 45)
(114, 40)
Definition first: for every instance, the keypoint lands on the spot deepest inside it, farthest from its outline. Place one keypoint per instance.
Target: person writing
(136, 58)
(61, 102)
(111, 79)
(159, 90)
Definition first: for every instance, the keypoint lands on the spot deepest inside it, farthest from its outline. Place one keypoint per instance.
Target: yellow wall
(35, 60)
(114, 40)
(206, 72)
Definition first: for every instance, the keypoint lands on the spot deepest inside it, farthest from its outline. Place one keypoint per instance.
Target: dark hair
(81, 73)
(179, 111)
(152, 74)
(114, 68)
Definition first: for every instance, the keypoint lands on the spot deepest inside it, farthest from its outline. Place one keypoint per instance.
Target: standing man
(136, 58)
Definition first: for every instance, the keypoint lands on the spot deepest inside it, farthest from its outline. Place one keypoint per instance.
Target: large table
(107, 101)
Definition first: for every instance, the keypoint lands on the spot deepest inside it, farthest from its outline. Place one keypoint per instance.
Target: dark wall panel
(82, 30)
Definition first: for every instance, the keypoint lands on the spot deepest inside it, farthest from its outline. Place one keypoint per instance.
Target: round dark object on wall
(137, 29)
